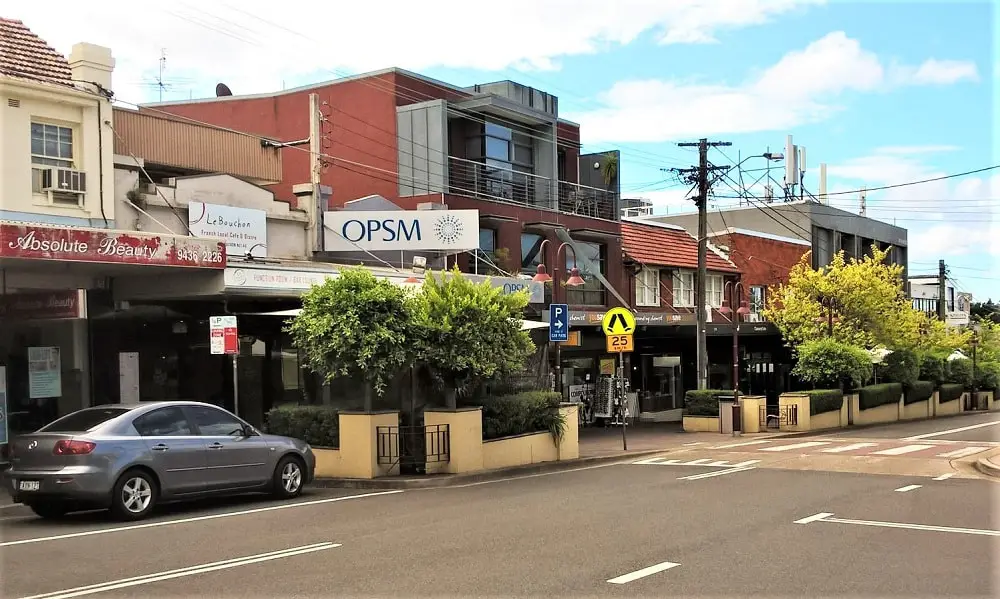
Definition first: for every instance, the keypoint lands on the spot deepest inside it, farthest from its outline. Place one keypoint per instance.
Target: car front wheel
(288, 477)
(134, 495)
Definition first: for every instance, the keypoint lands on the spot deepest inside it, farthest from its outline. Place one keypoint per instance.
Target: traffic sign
(558, 322)
(620, 344)
(223, 335)
(618, 321)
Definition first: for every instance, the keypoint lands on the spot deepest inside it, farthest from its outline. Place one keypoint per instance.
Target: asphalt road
(976, 427)
(616, 530)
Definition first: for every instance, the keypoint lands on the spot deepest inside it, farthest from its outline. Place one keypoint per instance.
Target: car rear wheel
(49, 509)
(134, 495)
(288, 477)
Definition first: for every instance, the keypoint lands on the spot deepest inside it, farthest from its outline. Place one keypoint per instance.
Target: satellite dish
(222, 90)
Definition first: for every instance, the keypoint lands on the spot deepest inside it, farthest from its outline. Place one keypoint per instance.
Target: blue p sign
(558, 322)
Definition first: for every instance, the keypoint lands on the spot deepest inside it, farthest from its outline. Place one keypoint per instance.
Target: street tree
(469, 332)
(356, 326)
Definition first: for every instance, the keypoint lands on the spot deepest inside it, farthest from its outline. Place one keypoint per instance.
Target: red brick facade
(763, 260)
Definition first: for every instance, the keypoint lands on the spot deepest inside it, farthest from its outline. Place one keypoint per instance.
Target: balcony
(479, 180)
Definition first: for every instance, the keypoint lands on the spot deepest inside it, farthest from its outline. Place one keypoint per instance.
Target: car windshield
(82, 421)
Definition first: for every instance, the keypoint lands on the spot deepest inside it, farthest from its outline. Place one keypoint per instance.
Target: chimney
(92, 64)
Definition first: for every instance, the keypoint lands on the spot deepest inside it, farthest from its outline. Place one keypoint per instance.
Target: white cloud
(909, 150)
(256, 45)
(805, 86)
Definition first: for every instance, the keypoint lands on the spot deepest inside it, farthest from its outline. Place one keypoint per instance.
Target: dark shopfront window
(591, 293)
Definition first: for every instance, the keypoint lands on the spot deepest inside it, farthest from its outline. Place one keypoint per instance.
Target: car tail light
(73, 447)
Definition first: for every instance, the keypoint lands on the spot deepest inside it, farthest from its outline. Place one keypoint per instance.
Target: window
(714, 287)
(51, 145)
(591, 293)
(684, 289)
(82, 421)
(165, 422)
(508, 157)
(758, 295)
(647, 287)
(213, 422)
(531, 257)
(487, 240)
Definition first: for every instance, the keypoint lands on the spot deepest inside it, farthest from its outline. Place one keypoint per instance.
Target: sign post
(619, 327)
(558, 323)
(4, 430)
(225, 340)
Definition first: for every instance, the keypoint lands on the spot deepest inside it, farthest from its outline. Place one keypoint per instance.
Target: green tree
(469, 331)
(356, 326)
(828, 363)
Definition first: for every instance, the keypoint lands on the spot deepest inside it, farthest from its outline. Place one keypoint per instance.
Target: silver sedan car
(129, 457)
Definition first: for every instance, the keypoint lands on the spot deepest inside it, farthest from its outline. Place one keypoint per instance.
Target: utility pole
(942, 306)
(702, 178)
(315, 171)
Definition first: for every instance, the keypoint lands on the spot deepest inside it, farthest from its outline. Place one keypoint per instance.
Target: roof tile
(662, 246)
(24, 55)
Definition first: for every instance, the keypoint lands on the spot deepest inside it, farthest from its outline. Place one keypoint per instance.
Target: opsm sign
(377, 230)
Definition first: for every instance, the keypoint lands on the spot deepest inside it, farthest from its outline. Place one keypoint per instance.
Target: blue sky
(883, 92)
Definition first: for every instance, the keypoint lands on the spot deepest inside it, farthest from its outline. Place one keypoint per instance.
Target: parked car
(128, 458)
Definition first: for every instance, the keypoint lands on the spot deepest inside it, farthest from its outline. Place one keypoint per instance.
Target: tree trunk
(368, 398)
(450, 397)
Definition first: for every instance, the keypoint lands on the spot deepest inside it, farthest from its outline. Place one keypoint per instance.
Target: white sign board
(223, 335)
(44, 372)
(395, 230)
(273, 278)
(128, 377)
(957, 319)
(243, 229)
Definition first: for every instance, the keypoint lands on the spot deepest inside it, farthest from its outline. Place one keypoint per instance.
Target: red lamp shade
(724, 309)
(743, 309)
(574, 280)
(411, 280)
(540, 275)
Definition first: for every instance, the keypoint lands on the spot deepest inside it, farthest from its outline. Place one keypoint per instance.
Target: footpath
(990, 465)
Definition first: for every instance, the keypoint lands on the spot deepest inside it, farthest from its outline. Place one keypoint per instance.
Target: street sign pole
(621, 383)
(619, 328)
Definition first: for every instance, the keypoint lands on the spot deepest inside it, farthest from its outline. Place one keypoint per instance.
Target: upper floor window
(647, 287)
(684, 290)
(714, 290)
(591, 293)
(531, 255)
(758, 296)
(51, 145)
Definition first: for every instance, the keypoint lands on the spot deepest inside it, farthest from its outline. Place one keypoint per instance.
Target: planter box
(920, 409)
(522, 450)
(328, 462)
(701, 424)
(948, 408)
(878, 415)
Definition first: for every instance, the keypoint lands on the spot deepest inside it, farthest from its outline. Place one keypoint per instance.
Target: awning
(525, 324)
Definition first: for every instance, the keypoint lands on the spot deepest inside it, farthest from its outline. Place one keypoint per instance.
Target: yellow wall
(569, 446)
(751, 412)
(950, 408)
(921, 409)
(700, 424)
(465, 429)
(827, 420)
(878, 415)
(803, 418)
(519, 451)
(92, 141)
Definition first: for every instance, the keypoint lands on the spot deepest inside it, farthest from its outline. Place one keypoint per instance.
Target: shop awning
(526, 325)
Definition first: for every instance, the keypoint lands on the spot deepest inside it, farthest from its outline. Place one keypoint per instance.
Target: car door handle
(215, 445)
(160, 447)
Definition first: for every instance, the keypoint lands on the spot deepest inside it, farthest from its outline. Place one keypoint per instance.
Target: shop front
(52, 282)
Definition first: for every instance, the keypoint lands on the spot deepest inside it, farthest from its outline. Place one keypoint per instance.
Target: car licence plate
(28, 485)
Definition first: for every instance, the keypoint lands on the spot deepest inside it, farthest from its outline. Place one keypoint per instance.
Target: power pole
(942, 306)
(702, 178)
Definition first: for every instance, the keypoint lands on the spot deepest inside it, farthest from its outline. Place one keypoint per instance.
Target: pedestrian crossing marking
(705, 463)
(851, 447)
(743, 444)
(805, 445)
(961, 453)
(902, 450)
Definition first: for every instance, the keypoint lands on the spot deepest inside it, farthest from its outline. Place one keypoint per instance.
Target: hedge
(988, 376)
(874, 396)
(318, 426)
(522, 413)
(703, 402)
(959, 372)
(901, 366)
(950, 392)
(920, 391)
(822, 401)
(934, 369)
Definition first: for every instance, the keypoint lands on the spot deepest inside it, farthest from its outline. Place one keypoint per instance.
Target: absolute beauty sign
(108, 246)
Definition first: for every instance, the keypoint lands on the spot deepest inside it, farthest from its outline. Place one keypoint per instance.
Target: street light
(733, 295)
(974, 342)
(574, 280)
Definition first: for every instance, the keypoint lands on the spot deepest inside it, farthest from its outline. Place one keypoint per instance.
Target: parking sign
(558, 322)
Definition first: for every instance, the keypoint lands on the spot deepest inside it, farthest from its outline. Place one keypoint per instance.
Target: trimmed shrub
(950, 392)
(959, 372)
(827, 363)
(933, 369)
(522, 413)
(703, 402)
(822, 401)
(988, 376)
(874, 396)
(318, 426)
(902, 366)
(920, 391)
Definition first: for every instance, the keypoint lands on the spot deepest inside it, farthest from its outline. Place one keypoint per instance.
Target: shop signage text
(408, 230)
(243, 229)
(44, 306)
(643, 319)
(111, 247)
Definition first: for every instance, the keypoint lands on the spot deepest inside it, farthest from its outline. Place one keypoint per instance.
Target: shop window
(758, 296)
(591, 293)
(647, 287)
(684, 289)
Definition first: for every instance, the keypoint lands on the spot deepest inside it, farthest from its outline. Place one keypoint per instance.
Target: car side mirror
(249, 431)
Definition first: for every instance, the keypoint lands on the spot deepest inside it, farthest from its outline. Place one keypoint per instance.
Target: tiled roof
(666, 246)
(24, 55)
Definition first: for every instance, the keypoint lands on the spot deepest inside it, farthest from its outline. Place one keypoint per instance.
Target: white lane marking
(902, 450)
(654, 461)
(698, 462)
(744, 444)
(944, 476)
(626, 578)
(271, 508)
(695, 443)
(796, 446)
(827, 517)
(951, 431)
(908, 488)
(850, 447)
(180, 572)
(961, 453)
(716, 473)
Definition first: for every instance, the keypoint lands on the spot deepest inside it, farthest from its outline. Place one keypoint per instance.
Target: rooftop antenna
(163, 65)
(864, 201)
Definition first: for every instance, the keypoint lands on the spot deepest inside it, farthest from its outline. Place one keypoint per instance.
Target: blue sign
(558, 322)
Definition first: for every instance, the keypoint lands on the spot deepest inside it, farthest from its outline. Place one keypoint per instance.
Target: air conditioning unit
(64, 180)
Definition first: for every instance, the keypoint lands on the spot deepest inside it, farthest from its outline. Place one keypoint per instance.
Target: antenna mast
(163, 65)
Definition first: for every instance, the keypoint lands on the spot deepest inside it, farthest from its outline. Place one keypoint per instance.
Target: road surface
(647, 529)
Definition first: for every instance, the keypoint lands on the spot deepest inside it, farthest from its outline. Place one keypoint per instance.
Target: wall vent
(13, 103)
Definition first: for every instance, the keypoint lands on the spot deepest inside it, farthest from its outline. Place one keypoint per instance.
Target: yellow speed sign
(618, 321)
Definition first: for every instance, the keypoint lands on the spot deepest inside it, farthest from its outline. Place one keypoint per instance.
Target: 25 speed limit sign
(620, 344)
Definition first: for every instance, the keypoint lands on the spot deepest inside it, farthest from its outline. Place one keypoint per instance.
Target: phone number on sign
(200, 255)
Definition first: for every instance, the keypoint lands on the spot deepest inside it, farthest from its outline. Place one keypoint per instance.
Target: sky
(883, 92)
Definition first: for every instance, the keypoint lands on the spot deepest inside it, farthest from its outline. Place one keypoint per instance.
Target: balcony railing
(475, 179)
